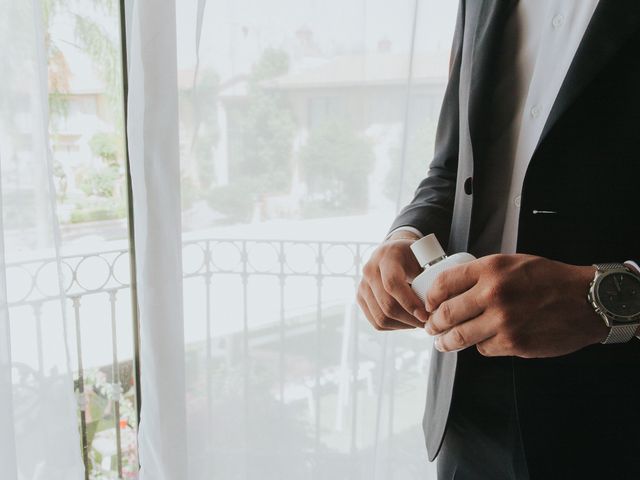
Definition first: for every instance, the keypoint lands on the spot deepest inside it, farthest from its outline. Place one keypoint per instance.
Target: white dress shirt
(548, 33)
(551, 31)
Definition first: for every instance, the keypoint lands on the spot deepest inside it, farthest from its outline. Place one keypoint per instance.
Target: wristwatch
(614, 294)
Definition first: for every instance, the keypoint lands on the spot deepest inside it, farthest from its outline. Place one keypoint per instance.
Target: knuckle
(503, 320)
(488, 262)
(483, 350)
(430, 299)
(511, 342)
(440, 282)
(385, 322)
(391, 283)
(507, 343)
(369, 269)
(388, 306)
(497, 291)
(496, 261)
(390, 251)
(379, 319)
(484, 296)
(457, 338)
(445, 313)
(530, 264)
(389, 248)
(438, 290)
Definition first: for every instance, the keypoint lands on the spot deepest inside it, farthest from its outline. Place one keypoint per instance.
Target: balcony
(270, 327)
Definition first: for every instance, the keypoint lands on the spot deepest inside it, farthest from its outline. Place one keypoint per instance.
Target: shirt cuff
(405, 228)
(633, 266)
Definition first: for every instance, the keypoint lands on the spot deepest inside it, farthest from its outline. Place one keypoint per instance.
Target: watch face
(619, 294)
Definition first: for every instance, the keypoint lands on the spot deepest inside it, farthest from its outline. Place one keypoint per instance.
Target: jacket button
(468, 186)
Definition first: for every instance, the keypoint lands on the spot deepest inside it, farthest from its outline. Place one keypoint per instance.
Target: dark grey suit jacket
(586, 167)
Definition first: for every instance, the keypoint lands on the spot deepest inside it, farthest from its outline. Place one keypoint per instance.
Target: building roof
(363, 70)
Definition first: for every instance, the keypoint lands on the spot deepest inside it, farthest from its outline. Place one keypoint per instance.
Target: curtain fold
(155, 174)
(38, 412)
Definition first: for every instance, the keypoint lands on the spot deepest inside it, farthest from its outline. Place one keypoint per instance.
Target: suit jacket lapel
(612, 23)
(489, 30)
(483, 28)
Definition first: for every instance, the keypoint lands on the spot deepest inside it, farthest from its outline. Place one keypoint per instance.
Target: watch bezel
(610, 317)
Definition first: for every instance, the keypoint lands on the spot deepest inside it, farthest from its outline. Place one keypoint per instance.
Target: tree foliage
(103, 49)
(96, 30)
(336, 162)
(268, 128)
(100, 182)
(262, 161)
(200, 103)
(106, 145)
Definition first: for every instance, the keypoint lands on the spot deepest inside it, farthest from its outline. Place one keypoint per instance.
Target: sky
(236, 31)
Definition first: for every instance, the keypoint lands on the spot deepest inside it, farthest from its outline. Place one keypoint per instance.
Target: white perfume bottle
(434, 260)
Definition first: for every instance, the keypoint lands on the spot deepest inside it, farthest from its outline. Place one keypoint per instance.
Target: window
(292, 133)
(86, 129)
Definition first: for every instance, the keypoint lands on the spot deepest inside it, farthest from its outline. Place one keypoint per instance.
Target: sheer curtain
(271, 144)
(155, 175)
(38, 423)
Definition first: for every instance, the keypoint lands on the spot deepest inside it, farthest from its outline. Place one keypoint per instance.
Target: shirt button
(557, 21)
(517, 201)
(535, 111)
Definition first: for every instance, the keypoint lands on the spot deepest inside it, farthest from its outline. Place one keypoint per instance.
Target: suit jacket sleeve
(431, 209)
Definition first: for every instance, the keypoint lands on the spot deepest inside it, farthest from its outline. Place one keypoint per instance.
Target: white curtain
(155, 174)
(271, 143)
(38, 412)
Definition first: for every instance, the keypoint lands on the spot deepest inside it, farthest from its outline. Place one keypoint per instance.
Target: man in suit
(536, 172)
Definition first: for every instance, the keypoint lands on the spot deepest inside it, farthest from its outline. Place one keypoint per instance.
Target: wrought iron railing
(99, 282)
(101, 278)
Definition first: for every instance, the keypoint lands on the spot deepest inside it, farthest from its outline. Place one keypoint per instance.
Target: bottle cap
(427, 249)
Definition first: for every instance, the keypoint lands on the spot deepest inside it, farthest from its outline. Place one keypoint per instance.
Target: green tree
(267, 128)
(96, 30)
(58, 68)
(93, 39)
(262, 162)
(235, 200)
(199, 121)
(107, 146)
(336, 162)
(103, 47)
(101, 182)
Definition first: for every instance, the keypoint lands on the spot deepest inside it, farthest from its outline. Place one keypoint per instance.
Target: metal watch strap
(609, 266)
(620, 334)
(617, 333)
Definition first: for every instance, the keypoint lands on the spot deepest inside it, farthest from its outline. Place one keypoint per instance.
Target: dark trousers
(583, 417)
(483, 438)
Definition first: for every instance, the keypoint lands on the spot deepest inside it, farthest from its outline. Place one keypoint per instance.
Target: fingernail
(429, 329)
(421, 315)
(438, 344)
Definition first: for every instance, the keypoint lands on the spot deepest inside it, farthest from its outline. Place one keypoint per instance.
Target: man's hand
(517, 305)
(384, 294)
